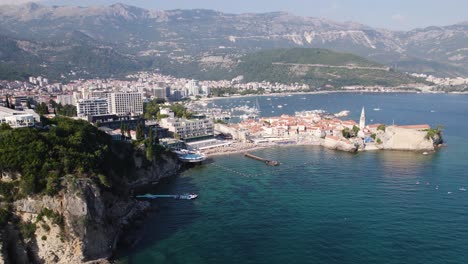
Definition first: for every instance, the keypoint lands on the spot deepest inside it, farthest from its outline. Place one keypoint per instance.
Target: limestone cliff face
(85, 219)
(339, 144)
(396, 138)
(160, 167)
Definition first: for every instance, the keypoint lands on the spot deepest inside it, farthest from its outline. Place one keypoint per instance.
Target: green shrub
(104, 180)
(4, 216)
(56, 218)
(27, 229)
(53, 184)
(46, 227)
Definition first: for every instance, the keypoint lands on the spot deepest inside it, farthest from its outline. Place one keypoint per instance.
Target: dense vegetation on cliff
(42, 157)
(37, 159)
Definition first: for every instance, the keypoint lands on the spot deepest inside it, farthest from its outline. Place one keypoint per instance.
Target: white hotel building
(92, 107)
(125, 103)
(189, 129)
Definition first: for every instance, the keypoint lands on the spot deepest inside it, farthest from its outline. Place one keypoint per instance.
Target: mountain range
(135, 38)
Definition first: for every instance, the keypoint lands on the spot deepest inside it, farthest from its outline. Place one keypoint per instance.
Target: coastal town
(233, 132)
(118, 108)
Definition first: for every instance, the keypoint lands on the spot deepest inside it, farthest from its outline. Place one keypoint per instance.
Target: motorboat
(187, 196)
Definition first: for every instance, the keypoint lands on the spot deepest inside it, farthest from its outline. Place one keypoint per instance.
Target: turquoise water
(323, 206)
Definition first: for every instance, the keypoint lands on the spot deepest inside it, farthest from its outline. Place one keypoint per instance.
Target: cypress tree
(149, 147)
(139, 132)
(122, 129)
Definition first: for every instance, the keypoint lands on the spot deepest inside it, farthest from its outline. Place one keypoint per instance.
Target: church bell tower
(362, 120)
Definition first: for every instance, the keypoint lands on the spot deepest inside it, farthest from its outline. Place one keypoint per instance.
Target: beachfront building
(17, 119)
(189, 129)
(92, 107)
(125, 103)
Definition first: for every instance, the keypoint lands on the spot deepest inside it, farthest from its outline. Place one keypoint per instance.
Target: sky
(390, 14)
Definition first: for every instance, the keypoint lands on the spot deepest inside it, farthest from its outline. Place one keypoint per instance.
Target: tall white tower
(362, 120)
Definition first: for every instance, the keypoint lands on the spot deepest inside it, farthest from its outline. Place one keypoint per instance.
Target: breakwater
(267, 161)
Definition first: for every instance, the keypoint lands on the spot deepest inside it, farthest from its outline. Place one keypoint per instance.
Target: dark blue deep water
(323, 206)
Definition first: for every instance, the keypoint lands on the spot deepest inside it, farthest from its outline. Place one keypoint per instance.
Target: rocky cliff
(84, 221)
(338, 143)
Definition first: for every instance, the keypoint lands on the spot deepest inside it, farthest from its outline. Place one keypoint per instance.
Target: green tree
(122, 129)
(356, 130)
(139, 132)
(346, 133)
(7, 102)
(150, 146)
(4, 126)
(381, 128)
(42, 109)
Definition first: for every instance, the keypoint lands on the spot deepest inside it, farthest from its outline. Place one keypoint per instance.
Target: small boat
(437, 187)
(376, 109)
(417, 182)
(280, 106)
(449, 192)
(462, 189)
(425, 153)
(187, 196)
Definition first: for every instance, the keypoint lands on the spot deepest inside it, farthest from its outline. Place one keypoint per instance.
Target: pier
(267, 162)
(187, 196)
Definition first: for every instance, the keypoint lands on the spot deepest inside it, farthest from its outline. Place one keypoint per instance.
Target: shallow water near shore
(319, 205)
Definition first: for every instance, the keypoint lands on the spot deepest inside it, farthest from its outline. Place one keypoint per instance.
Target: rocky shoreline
(393, 138)
(84, 222)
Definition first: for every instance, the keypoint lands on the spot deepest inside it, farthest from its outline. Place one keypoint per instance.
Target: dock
(266, 161)
(186, 196)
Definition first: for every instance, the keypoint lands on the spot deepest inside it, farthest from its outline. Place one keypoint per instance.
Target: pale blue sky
(392, 14)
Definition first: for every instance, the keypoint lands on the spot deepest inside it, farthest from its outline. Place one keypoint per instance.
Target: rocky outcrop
(85, 220)
(333, 142)
(397, 138)
(161, 167)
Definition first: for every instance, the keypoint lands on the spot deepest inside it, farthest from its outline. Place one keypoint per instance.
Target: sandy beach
(241, 147)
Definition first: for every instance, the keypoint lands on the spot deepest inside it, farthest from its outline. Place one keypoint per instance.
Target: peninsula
(328, 130)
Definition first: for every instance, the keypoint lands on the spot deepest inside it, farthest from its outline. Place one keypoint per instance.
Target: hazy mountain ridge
(184, 35)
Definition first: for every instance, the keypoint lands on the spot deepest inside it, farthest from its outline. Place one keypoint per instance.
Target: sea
(320, 205)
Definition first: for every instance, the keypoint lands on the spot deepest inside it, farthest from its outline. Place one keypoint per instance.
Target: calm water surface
(323, 206)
